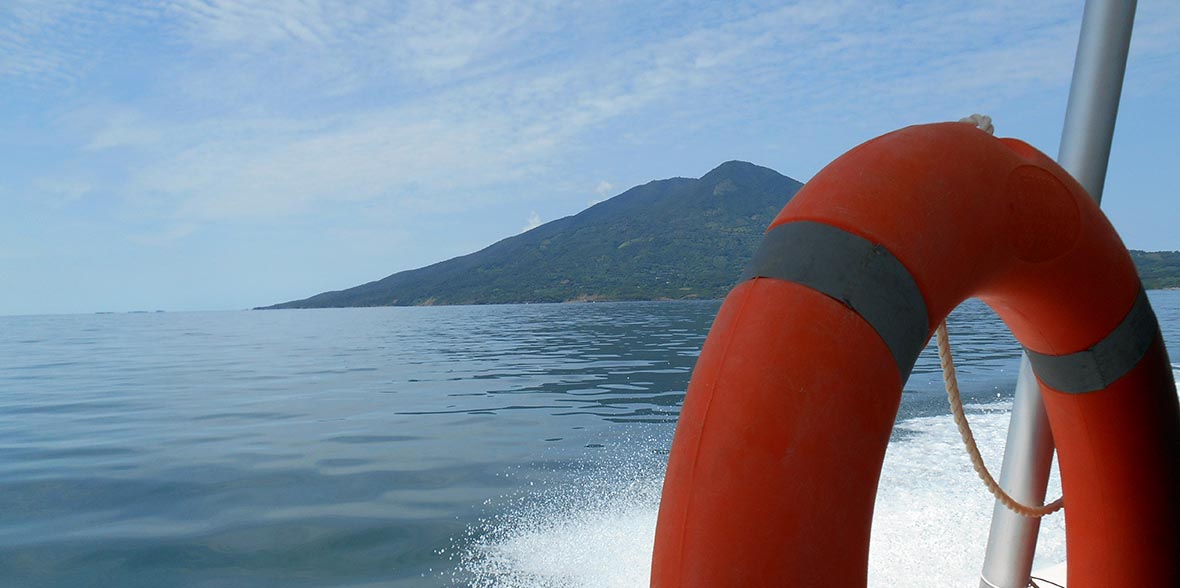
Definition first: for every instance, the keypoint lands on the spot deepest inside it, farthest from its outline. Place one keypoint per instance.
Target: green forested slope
(667, 239)
(1158, 269)
(676, 238)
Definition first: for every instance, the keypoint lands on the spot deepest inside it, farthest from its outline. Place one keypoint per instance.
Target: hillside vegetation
(668, 239)
(1158, 269)
(679, 238)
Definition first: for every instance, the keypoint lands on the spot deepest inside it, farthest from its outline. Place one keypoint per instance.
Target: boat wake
(929, 528)
(597, 532)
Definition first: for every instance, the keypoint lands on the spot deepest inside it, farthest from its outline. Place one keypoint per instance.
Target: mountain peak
(667, 239)
(736, 167)
(735, 178)
(735, 164)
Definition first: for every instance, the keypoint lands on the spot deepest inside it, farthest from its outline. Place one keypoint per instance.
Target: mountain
(667, 239)
(1158, 269)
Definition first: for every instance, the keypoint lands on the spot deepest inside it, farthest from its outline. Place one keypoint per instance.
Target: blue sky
(221, 154)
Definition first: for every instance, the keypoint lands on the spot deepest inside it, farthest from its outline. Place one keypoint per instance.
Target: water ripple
(340, 447)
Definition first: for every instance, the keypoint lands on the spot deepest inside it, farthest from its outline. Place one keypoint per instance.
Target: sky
(226, 154)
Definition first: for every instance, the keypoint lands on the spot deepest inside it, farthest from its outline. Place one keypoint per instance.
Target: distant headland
(671, 239)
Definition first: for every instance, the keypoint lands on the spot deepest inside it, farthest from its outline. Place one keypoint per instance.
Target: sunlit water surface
(507, 446)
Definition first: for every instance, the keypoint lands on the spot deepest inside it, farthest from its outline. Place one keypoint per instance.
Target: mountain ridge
(674, 238)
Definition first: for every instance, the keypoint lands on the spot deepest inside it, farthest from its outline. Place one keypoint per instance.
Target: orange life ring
(775, 461)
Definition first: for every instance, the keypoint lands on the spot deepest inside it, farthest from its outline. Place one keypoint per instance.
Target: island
(673, 239)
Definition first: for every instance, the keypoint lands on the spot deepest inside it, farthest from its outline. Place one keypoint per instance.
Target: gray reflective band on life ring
(1108, 360)
(864, 276)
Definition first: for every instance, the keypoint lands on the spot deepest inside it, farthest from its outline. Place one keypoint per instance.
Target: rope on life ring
(984, 123)
(952, 395)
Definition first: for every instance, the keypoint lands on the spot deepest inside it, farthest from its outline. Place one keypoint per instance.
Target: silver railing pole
(1085, 150)
(1095, 90)
(1028, 457)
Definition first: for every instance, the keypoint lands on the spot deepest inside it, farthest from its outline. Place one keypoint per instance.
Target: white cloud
(61, 191)
(296, 105)
(436, 37)
(533, 222)
(267, 168)
(122, 129)
(604, 190)
(166, 236)
(437, 119)
(23, 51)
(53, 42)
(255, 25)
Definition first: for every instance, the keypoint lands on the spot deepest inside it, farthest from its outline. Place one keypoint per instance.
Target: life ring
(775, 461)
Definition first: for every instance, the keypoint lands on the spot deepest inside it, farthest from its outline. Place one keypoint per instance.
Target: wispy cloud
(166, 236)
(424, 127)
(264, 168)
(197, 112)
(53, 42)
(604, 190)
(533, 222)
(309, 103)
(62, 191)
(117, 129)
(258, 26)
(435, 38)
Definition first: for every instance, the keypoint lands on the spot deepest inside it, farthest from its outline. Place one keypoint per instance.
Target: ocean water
(497, 446)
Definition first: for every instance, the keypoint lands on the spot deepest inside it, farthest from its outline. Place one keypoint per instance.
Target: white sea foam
(931, 521)
(598, 533)
(930, 525)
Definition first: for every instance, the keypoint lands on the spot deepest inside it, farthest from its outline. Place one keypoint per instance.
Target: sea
(516, 446)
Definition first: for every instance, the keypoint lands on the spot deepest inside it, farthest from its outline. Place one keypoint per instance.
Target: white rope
(983, 121)
(952, 394)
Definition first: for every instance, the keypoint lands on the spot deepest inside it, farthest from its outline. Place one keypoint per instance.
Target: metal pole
(1028, 457)
(1085, 150)
(1094, 94)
